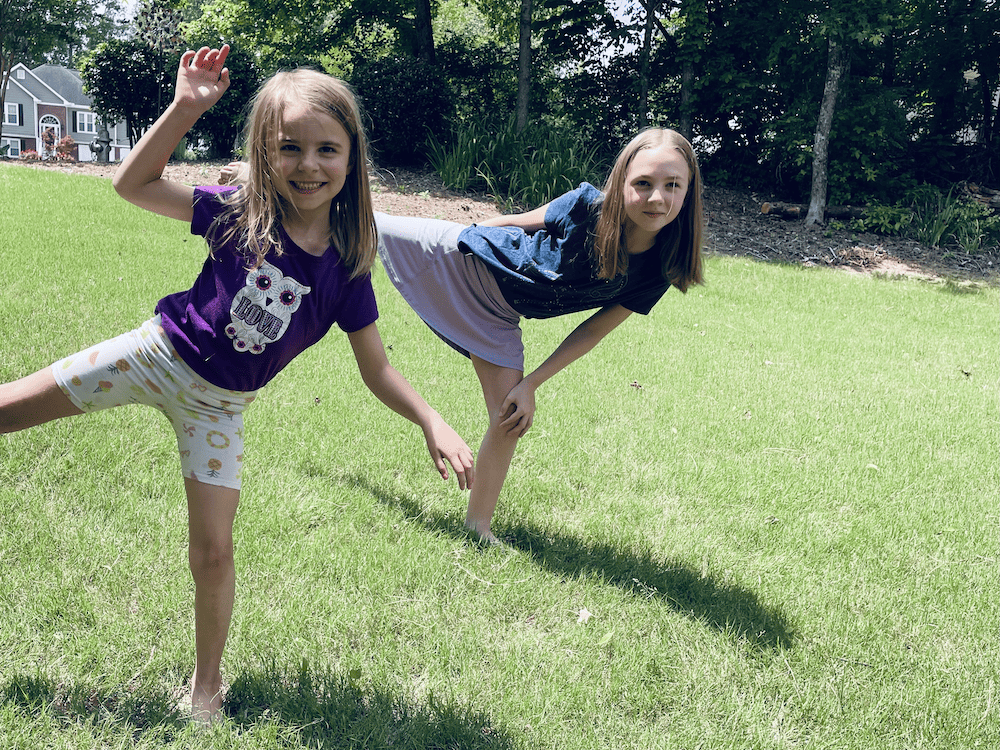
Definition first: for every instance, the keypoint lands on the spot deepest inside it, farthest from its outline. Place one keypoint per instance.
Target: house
(51, 98)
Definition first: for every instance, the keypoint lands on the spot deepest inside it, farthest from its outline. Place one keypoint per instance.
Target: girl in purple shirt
(291, 254)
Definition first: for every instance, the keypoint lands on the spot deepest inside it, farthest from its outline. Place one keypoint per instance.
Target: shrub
(937, 219)
(29, 155)
(65, 149)
(529, 168)
(404, 100)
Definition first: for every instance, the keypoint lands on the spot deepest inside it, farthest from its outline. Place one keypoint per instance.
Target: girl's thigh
(33, 400)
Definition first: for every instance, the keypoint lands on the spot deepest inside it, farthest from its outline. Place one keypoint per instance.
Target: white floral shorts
(140, 367)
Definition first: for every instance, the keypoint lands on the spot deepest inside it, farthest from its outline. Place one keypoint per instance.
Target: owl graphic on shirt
(263, 308)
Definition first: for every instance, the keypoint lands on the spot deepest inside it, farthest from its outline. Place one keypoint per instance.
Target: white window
(15, 147)
(85, 122)
(10, 113)
(20, 74)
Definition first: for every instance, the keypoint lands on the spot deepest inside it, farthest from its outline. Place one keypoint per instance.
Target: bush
(29, 155)
(404, 100)
(530, 168)
(65, 149)
(937, 219)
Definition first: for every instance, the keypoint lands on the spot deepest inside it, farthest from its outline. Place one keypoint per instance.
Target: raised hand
(202, 79)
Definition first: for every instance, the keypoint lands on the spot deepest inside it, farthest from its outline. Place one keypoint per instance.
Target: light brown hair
(263, 202)
(679, 243)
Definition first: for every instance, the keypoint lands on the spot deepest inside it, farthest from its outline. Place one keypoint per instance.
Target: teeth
(307, 185)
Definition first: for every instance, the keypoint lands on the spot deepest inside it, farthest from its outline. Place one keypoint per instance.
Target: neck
(312, 235)
(637, 241)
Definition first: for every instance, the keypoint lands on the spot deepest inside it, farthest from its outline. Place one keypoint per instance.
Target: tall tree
(32, 28)
(425, 31)
(838, 64)
(651, 7)
(524, 65)
(845, 24)
(124, 78)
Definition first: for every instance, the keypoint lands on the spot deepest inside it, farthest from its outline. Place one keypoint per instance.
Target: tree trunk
(686, 124)
(647, 49)
(798, 210)
(836, 68)
(524, 65)
(425, 31)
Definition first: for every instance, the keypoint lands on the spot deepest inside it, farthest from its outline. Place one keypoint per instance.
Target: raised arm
(519, 406)
(393, 390)
(202, 79)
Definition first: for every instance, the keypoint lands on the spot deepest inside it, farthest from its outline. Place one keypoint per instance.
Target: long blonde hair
(678, 243)
(258, 209)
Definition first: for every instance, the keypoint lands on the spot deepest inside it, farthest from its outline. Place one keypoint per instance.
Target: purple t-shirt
(236, 327)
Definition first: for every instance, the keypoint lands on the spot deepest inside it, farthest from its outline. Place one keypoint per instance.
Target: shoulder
(210, 203)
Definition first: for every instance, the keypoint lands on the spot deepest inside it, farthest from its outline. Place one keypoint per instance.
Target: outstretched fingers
(447, 447)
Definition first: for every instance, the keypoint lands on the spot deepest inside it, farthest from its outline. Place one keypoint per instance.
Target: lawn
(764, 516)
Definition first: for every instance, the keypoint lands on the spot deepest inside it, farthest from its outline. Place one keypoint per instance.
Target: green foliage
(528, 168)
(935, 218)
(946, 220)
(882, 219)
(404, 101)
(480, 76)
(129, 80)
(277, 34)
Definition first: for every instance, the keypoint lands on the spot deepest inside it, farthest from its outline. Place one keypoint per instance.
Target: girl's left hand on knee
(518, 410)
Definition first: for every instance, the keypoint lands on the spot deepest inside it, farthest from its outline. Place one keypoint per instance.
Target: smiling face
(656, 184)
(314, 158)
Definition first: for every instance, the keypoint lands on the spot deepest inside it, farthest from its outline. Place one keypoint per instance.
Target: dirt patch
(735, 225)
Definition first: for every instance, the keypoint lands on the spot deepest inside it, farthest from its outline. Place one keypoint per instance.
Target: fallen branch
(798, 211)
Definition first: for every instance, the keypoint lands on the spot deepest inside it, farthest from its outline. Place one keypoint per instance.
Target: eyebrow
(287, 139)
(676, 176)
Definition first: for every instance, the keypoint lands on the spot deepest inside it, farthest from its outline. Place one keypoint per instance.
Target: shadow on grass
(329, 710)
(140, 712)
(303, 708)
(722, 606)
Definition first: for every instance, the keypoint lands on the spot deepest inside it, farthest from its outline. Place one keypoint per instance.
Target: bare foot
(484, 536)
(206, 704)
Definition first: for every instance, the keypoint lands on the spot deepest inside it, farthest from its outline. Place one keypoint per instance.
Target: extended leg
(32, 401)
(496, 451)
(211, 513)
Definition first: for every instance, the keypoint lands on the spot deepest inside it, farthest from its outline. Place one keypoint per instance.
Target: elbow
(121, 186)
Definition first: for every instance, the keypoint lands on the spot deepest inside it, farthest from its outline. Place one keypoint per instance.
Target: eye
(289, 147)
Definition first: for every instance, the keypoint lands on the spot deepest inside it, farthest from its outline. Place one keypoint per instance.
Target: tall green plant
(530, 168)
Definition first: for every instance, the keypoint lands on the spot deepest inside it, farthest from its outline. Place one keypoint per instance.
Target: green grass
(764, 516)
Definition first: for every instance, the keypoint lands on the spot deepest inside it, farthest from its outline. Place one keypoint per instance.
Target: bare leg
(33, 400)
(496, 451)
(211, 513)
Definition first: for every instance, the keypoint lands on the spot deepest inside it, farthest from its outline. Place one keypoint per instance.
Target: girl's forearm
(147, 159)
(395, 391)
(580, 341)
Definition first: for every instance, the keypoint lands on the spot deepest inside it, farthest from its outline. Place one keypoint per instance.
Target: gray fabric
(453, 293)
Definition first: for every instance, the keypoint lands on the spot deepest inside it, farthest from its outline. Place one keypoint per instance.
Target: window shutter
(20, 114)
(76, 125)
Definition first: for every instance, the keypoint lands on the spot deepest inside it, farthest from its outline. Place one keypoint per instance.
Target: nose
(307, 162)
(660, 195)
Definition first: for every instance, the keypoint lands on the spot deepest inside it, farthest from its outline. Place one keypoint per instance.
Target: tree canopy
(919, 98)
